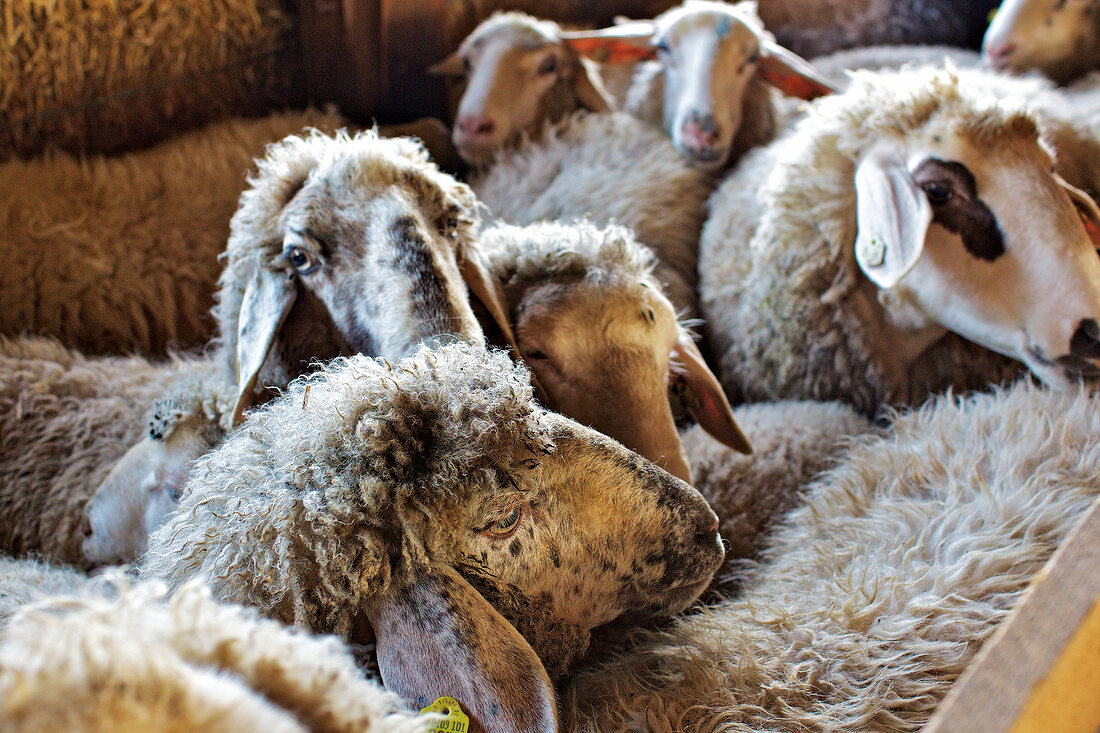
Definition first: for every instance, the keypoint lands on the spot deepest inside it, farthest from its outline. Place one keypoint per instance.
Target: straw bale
(110, 75)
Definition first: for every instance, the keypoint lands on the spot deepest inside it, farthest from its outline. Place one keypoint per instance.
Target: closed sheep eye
(661, 46)
(508, 524)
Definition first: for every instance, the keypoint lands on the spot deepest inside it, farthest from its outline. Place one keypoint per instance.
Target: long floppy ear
(438, 637)
(267, 300)
(488, 291)
(892, 216)
(1086, 207)
(790, 73)
(589, 88)
(452, 65)
(709, 406)
(620, 44)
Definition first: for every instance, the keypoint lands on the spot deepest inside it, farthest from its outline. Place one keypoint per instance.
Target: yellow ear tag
(456, 720)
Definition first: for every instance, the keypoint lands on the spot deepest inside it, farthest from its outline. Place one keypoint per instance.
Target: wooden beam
(1040, 671)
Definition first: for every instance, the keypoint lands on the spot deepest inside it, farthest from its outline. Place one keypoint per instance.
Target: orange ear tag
(455, 721)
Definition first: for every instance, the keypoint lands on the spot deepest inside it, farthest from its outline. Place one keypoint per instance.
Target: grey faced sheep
(710, 88)
(340, 245)
(117, 657)
(592, 324)
(877, 594)
(1060, 39)
(388, 501)
(115, 255)
(516, 76)
(851, 258)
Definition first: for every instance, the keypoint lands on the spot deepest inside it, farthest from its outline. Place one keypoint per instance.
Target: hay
(109, 75)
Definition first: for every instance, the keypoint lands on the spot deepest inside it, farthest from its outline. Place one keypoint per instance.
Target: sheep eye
(549, 65)
(753, 58)
(937, 192)
(300, 259)
(450, 228)
(506, 526)
(534, 354)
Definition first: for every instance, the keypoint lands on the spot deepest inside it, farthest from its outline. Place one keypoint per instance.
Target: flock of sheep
(480, 432)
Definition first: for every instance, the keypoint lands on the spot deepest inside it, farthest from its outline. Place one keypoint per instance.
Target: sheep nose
(1000, 54)
(699, 131)
(1085, 341)
(475, 126)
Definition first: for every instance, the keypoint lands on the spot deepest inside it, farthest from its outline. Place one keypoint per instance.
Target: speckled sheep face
(709, 57)
(597, 532)
(984, 240)
(1060, 38)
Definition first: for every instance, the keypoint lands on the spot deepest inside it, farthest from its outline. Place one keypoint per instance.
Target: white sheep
(868, 255)
(25, 580)
(341, 245)
(117, 657)
(119, 254)
(711, 86)
(604, 342)
(388, 502)
(876, 595)
(514, 75)
(707, 89)
(1060, 39)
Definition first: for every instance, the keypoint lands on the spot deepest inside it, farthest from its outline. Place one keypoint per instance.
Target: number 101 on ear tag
(456, 720)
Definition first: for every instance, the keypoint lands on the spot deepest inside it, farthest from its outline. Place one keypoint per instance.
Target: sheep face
(600, 533)
(517, 74)
(978, 236)
(345, 245)
(1060, 39)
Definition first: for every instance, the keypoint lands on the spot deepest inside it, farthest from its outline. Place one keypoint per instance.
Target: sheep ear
(589, 88)
(267, 300)
(620, 44)
(1086, 207)
(791, 74)
(453, 65)
(439, 637)
(710, 407)
(892, 216)
(488, 291)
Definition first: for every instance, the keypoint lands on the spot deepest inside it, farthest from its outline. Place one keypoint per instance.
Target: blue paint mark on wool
(724, 25)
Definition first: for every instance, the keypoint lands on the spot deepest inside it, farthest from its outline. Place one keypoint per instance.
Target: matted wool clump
(110, 75)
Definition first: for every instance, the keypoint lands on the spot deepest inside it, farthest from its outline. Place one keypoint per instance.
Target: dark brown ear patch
(953, 193)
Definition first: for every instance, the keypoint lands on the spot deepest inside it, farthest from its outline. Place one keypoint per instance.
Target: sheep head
(345, 245)
(713, 61)
(962, 226)
(381, 496)
(517, 75)
(592, 323)
(1060, 39)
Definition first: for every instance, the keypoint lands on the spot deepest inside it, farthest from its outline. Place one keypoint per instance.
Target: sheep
(1061, 40)
(820, 27)
(821, 277)
(592, 324)
(515, 76)
(384, 501)
(608, 168)
(119, 254)
(715, 105)
(341, 244)
(710, 88)
(25, 580)
(876, 595)
(119, 656)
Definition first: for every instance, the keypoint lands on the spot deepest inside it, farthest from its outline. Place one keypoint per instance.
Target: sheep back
(608, 168)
